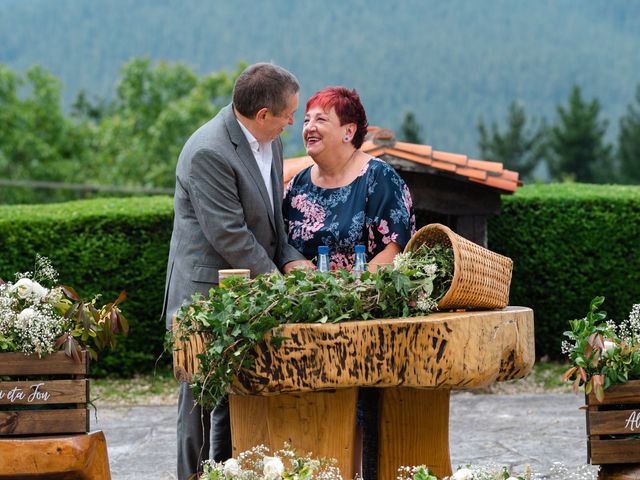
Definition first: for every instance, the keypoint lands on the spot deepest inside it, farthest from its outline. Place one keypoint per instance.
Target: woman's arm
(385, 257)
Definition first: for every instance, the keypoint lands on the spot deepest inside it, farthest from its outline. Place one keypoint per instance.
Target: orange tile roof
(381, 142)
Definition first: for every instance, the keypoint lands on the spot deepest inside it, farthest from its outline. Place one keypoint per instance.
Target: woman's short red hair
(348, 108)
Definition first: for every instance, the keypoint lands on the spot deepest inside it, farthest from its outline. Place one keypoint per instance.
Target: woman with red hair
(347, 197)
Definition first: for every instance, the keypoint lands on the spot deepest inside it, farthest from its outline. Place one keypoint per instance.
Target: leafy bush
(100, 246)
(570, 243)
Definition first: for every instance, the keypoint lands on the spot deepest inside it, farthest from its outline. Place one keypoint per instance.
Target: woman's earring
(346, 138)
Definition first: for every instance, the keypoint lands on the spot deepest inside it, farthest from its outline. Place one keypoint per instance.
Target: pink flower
(340, 260)
(313, 220)
(388, 239)
(383, 228)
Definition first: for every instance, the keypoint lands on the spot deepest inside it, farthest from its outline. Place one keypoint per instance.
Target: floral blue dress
(373, 210)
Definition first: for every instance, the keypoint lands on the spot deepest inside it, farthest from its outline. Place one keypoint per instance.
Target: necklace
(336, 179)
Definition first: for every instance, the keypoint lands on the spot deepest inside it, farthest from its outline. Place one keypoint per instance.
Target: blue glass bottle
(323, 258)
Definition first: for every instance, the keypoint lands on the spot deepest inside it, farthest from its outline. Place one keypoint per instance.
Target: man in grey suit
(228, 214)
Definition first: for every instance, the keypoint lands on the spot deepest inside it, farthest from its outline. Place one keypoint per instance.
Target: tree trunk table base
(414, 430)
(323, 423)
(65, 457)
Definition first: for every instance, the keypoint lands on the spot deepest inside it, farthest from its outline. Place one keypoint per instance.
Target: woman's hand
(298, 265)
(385, 257)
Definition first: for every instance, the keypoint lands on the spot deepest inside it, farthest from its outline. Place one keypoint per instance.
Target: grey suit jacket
(223, 216)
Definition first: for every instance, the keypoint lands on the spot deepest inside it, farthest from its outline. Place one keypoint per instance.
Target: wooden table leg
(64, 457)
(322, 423)
(414, 430)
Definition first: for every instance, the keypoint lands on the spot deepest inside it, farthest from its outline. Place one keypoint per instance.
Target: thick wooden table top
(453, 350)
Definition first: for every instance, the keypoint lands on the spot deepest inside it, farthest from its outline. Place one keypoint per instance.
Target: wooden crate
(611, 424)
(43, 396)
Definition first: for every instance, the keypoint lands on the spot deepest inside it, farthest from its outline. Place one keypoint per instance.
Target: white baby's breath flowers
(26, 315)
(629, 329)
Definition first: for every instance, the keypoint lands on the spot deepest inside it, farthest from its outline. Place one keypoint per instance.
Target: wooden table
(305, 392)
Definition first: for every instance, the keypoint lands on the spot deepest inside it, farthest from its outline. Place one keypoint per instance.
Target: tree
(577, 149)
(410, 129)
(519, 148)
(36, 139)
(629, 143)
(155, 110)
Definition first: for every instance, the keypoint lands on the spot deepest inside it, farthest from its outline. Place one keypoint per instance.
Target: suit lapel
(245, 155)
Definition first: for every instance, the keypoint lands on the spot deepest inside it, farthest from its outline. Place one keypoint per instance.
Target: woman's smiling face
(321, 130)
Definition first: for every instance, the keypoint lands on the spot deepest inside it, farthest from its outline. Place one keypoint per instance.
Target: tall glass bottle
(360, 263)
(323, 258)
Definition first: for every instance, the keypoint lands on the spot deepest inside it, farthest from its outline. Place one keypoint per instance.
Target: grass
(160, 388)
(544, 378)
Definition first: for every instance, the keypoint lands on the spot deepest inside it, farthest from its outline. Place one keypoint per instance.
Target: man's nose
(290, 122)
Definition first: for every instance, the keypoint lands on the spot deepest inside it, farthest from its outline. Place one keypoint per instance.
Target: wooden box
(613, 425)
(43, 396)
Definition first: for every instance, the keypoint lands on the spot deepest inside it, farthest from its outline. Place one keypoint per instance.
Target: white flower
(273, 468)
(27, 288)
(463, 474)
(231, 468)
(26, 314)
(513, 478)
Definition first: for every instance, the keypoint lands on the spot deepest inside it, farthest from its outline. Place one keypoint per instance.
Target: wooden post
(414, 430)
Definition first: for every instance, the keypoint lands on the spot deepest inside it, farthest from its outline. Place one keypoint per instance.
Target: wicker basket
(481, 278)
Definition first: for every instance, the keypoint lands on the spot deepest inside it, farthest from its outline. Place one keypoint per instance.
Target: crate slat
(622, 393)
(55, 364)
(615, 451)
(614, 422)
(42, 422)
(44, 392)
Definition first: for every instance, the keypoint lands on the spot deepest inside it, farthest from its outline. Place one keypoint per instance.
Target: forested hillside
(449, 62)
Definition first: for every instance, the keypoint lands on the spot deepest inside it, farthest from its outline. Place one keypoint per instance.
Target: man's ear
(261, 115)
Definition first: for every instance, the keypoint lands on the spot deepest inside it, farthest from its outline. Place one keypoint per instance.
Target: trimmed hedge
(101, 246)
(569, 243)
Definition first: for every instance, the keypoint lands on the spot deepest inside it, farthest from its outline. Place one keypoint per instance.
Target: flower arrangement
(260, 463)
(237, 316)
(39, 317)
(602, 352)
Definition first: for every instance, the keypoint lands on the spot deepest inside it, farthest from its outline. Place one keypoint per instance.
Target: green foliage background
(569, 243)
(448, 62)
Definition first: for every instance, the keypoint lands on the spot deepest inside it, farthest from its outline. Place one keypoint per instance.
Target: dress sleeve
(390, 215)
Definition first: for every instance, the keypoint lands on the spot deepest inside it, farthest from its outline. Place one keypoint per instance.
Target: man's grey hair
(264, 85)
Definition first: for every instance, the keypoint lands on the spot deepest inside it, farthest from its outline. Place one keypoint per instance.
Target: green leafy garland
(235, 318)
